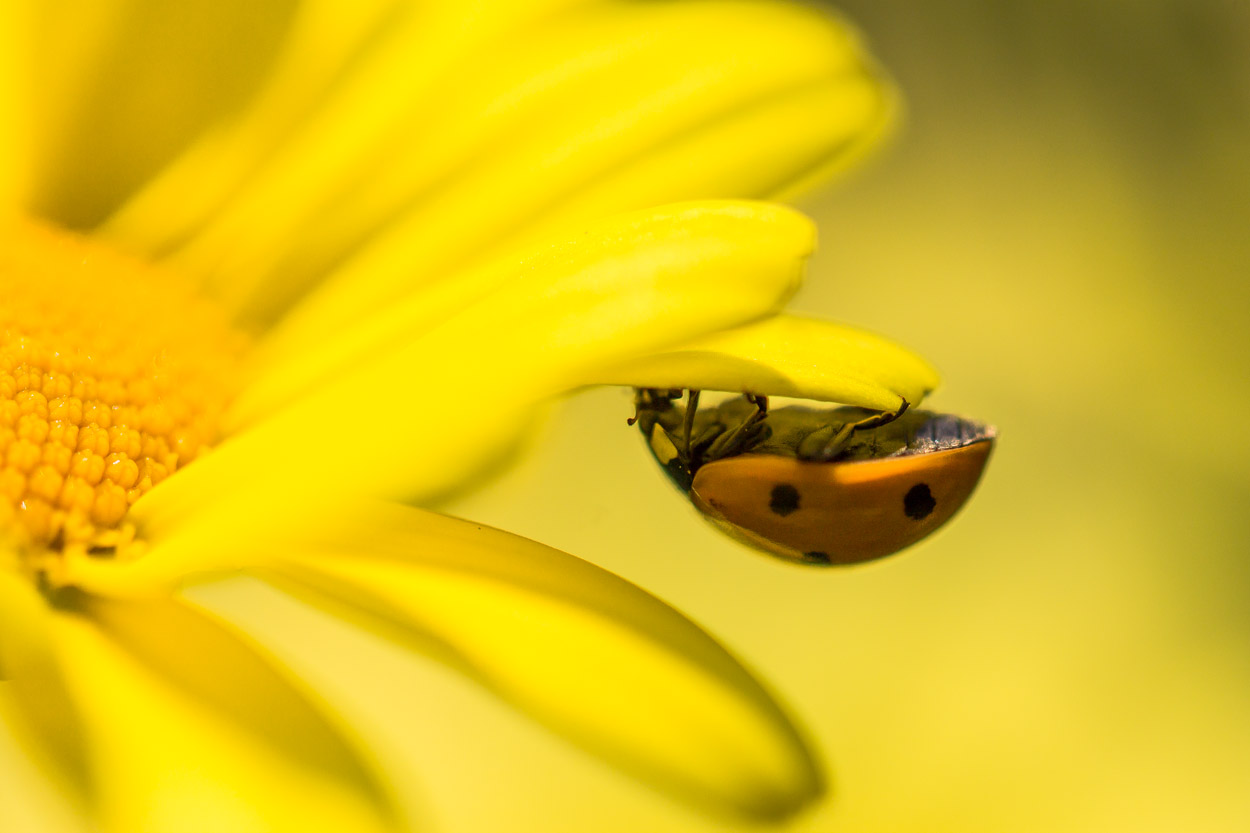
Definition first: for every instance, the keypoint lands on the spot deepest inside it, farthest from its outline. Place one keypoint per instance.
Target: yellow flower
(335, 255)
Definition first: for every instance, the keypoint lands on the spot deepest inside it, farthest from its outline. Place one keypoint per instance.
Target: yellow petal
(758, 247)
(188, 727)
(35, 705)
(419, 416)
(558, 107)
(349, 75)
(578, 648)
(775, 149)
(131, 84)
(49, 92)
(347, 71)
(14, 107)
(322, 38)
(788, 356)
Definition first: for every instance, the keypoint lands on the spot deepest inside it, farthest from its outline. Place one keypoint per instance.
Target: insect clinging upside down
(816, 485)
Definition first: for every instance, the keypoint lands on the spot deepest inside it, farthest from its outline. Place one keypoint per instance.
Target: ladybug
(825, 486)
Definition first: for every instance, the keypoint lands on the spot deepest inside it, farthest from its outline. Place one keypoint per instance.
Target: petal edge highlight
(788, 356)
(580, 649)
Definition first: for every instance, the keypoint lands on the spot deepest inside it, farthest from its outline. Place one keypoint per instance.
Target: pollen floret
(113, 375)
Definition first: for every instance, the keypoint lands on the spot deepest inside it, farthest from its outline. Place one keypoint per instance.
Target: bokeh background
(1061, 225)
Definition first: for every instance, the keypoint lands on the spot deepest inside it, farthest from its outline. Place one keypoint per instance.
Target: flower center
(113, 375)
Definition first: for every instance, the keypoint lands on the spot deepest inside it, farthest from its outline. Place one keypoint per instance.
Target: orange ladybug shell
(839, 512)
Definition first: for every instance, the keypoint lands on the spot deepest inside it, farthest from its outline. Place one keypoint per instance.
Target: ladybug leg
(834, 445)
(746, 434)
(883, 418)
(687, 428)
(678, 429)
(839, 438)
(697, 441)
(694, 446)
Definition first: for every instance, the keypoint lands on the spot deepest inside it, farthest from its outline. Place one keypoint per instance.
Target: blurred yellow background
(1061, 226)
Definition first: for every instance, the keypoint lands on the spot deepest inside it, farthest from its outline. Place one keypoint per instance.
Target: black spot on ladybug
(784, 499)
(817, 558)
(918, 503)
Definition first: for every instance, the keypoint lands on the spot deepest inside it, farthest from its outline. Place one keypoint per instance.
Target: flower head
(287, 254)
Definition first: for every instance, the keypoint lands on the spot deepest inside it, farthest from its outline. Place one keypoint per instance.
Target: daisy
(272, 281)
